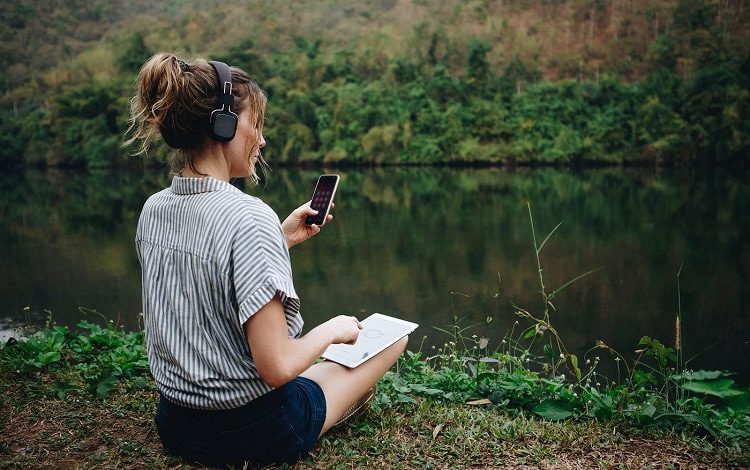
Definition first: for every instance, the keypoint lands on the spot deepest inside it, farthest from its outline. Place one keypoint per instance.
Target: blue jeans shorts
(281, 426)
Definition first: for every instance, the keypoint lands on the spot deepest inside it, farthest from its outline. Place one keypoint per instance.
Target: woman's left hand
(294, 226)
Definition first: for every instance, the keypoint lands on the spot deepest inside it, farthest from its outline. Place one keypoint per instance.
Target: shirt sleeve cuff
(265, 293)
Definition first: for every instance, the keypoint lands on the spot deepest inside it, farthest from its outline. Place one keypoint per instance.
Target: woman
(222, 322)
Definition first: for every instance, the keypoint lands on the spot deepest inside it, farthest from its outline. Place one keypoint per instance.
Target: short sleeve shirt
(211, 257)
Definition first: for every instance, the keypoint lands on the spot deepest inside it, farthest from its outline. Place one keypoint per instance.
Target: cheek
(253, 141)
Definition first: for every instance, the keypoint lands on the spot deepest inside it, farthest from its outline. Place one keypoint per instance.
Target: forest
(390, 82)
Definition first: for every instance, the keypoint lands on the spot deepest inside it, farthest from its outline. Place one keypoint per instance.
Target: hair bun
(175, 99)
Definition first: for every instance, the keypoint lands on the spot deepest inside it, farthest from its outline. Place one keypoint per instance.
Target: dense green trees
(446, 103)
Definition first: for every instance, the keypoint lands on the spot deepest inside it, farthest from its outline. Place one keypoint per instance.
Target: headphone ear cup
(222, 125)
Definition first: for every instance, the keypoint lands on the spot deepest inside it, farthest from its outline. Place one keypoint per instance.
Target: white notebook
(380, 331)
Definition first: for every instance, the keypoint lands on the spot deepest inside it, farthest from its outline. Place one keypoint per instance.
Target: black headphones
(222, 123)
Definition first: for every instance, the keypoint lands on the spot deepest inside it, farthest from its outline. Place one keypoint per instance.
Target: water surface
(430, 245)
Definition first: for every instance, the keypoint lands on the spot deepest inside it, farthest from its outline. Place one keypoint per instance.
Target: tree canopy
(398, 81)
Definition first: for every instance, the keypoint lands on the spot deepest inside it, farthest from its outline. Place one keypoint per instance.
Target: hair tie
(183, 65)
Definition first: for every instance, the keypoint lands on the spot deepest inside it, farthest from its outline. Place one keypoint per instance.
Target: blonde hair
(174, 100)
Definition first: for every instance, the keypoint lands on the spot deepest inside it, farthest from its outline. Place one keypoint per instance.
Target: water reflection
(428, 244)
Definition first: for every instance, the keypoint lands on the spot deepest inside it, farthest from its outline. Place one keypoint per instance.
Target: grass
(84, 431)
(83, 399)
(91, 404)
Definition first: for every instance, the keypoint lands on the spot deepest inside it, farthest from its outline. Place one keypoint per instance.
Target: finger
(307, 208)
(329, 217)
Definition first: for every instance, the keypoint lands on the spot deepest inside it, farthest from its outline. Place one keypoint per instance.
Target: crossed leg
(342, 386)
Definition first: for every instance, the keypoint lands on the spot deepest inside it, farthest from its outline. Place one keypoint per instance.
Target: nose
(262, 142)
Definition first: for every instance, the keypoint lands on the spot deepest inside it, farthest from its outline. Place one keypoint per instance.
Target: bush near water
(95, 360)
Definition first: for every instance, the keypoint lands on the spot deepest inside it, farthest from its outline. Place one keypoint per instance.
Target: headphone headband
(225, 82)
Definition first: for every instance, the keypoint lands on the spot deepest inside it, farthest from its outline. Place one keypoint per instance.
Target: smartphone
(322, 199)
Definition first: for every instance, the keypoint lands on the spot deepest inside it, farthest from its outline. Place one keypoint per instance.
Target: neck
(209, 163)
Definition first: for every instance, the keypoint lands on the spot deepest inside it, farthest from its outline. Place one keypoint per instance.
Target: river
(430, 245)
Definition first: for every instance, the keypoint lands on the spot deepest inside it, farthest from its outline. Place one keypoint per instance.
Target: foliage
(526, 373)
(100, 360)
(510, 382)
(95, 358)
(132, 53)
(119, 432)
(466, 98)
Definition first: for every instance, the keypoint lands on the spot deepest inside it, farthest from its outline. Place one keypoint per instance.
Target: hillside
(67, 68)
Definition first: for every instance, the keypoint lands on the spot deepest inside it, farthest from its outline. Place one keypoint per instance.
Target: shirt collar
(182, 185)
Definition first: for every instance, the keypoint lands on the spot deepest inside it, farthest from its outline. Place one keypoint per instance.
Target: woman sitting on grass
(238, 382)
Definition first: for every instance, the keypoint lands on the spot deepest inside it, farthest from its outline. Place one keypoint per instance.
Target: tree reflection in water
(404, 239)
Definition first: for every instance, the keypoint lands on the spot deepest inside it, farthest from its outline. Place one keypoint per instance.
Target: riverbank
(40, 431)
(85, 399)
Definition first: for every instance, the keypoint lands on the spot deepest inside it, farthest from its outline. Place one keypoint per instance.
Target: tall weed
(532, 370)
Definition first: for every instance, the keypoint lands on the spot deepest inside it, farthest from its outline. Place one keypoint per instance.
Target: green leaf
(384, 399)
(486, 375)
(529, 334)
(722, 388)
(33, 363)
(702, 375)
(420, 388)
(48, 357)
(402, 388)
(450, 396)
(547, 238)
(554, 385)
(553, 410)
(573, 365)
(559, 289)
(62, 388)
(740, 402)
(401, 398)
(700, 420)
(105, 386)
(604, 401)
(548, 351)
(648, 410)
(139, 383)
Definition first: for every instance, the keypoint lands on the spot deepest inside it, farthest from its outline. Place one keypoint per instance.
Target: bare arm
(279, 358)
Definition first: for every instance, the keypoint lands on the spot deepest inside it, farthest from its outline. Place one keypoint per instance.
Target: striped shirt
(211, 256)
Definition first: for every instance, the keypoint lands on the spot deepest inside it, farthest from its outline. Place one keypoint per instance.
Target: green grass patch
(91, 403)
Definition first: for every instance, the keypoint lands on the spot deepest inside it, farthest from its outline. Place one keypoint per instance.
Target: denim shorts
(281, 426)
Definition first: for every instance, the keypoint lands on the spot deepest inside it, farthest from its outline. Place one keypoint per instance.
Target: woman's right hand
(344, 329)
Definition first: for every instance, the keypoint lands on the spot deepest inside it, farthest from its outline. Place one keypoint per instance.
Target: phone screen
(322, 199)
